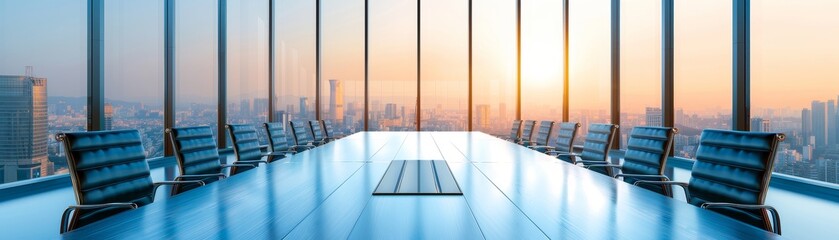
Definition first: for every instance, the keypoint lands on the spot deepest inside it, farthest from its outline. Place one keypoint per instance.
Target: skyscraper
(830, 126)
(336, 100)
(759, 125)
(820, 123)
(304, 111)
(654, 117)
(109, 116)
(482, 111)
(390, 111)
(806, 124)
(23, 132)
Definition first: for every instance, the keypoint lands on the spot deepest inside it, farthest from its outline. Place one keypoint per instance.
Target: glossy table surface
(509, 192)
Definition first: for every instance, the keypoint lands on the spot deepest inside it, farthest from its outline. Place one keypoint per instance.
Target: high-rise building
(109, 116)
(390, 111)
(806, 124)
(654, 117)
(23, 128)
(759, 125)
(482, 111)
(336, 100)
(830, 126)
(304, 110)
(820, 123)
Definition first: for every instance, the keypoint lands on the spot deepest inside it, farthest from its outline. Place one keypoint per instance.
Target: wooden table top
(509, 192)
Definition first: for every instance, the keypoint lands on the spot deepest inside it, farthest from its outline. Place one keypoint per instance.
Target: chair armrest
(199, 176)
(238, 165)
(302, 146)
(541, 146)
(684, 185)
(595, 162)
(277, 153)
(255, 162)
(66, 215)
(776, 218)
(643, 176)
(158, 184)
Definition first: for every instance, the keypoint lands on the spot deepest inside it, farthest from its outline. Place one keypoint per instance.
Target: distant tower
(336, 100)
(654, 117)
(832, 138)
(303, 109)
(390, 111)
(820, 123)
(806, 124)
(759, 125)
(483, 115)
(23, 134)
(109, 116)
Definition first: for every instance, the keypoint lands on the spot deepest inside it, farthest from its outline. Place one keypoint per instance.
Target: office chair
(109, 173)
(564, 142)
(596, 147)
(645, 157)
(197, 155)
(328, 130)
(302, 134)
(515, 131)
(246, 147)
(543, 135)
(731, 176)
(318, 136)
(277, 139)
(527, 131)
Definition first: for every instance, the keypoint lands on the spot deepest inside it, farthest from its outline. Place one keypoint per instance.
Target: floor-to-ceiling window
(590, 63)
(294, 59)
(702, 70)
(393, 65)
(134, 70)
(54, 45)
(494, 66)
(247, 63)
(196, 63)
(795, 83)
(342, 65)
(640, 69)
(542, 60)
(444, 85)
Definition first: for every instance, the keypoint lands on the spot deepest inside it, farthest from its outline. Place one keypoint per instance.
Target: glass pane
(494, 66)
(54, 45)
(134, 70)
(247, 64)
(794, 83)
(393, 65)
(702, 68)
(295, 59)
(640, 65)
(445, 65)
(342, 65)
(541, 63)
(590, 64)
(196, 63)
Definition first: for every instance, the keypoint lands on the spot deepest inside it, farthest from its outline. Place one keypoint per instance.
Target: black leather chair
(197, 155)
(731, 176)
(515, 131)
(302, 134)
(564, 142)
(246, 147)
(329, 131)
(318, 136)
(278, 141)
(109, 173)
(543, 134)
(527, 131)
(596, 147)
(645, 157)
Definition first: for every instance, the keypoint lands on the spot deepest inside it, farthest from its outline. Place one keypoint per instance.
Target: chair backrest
(195, 149)
(302, 132)
(277, 141)
(527, 129)
(546, 128)
(245, 142)
(317, 130)
(106, 167)
(515, 131)
(734, 167)
(328, 130)
(646, 153)
(565, 139)
(598, 142)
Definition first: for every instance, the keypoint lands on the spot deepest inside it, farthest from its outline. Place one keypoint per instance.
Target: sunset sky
(794, 58)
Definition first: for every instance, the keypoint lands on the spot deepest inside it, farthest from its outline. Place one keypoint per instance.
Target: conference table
(508, 192)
